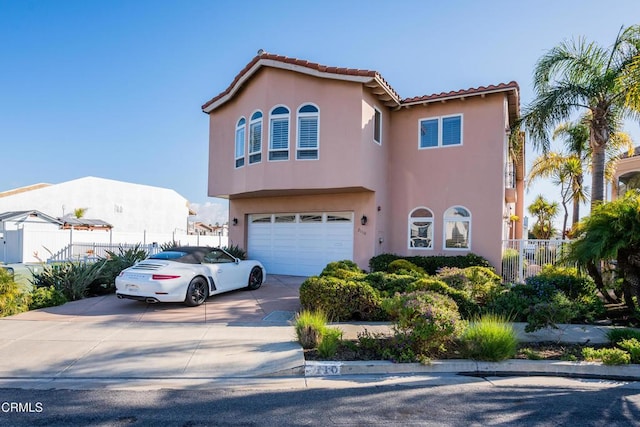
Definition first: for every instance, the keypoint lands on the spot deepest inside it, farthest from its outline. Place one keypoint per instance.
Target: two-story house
(323, 163)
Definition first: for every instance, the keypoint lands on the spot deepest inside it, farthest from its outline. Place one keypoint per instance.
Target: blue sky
(113, 89)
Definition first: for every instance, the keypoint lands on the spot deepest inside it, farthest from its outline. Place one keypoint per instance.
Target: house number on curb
(320, 370)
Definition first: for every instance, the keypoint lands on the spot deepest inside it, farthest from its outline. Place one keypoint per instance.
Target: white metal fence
(525, 258)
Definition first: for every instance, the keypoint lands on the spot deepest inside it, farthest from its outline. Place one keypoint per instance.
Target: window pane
(307, 155)
(256, 115)
(240, 142)
(240, 162)
(279, 155)
(421, 213)
(429, 133)
(457, 234)
(261, 218)
(255, 137)
(280, 110)
(279, 134)
(310, 217)
(308, 132)
(285, 218)
(421, 235)
(308, 109)
(339, 217)
(456, 212)
(377, 126)
(451, 130)
(255, 158)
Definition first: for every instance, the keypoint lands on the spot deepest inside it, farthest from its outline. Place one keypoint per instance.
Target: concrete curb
(470, 367)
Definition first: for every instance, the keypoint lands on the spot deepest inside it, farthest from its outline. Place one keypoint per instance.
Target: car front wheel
(197, 292)
(255, 278)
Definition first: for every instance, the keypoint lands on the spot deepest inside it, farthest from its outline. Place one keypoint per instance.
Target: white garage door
(300, 244)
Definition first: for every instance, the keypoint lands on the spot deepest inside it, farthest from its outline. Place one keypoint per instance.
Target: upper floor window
(307, 146)
(440, 131)
(240, 135)
(279, 134)
(421, 229)
(255, 138)
(377, 126)
(457, 228)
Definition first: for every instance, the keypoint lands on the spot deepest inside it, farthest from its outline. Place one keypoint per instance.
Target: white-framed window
(308, 133)
(420, 229)
(457, 228)
(444, 131)
(279, 133)
(377, 126)
(241, 128)
(255, 138)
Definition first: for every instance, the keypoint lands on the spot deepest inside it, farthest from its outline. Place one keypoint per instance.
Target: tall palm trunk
(576, 201)
(598, 140)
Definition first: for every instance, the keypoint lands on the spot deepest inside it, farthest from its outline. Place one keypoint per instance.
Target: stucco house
(627, 174)
(126, 206)
(323, 163)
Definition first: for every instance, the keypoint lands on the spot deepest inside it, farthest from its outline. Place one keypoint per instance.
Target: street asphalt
(236, 338)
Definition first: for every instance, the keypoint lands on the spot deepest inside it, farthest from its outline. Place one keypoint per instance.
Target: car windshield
(168, 255)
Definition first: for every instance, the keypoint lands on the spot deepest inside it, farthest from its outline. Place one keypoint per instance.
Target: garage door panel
(300, 248)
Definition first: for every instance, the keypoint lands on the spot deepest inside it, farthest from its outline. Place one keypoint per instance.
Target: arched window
(255, 138)
(307, 145)
(240, 135)
(457, 228)
(421, 229)
(279, 134)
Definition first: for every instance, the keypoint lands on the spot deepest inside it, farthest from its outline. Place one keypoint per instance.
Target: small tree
(545, 212)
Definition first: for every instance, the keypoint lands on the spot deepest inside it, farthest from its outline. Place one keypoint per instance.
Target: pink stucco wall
(382, 181)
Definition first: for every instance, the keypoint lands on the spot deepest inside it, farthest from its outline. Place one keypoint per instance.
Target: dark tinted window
(168, 255)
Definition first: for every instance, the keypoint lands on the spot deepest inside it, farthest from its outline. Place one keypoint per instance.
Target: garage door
(300, 244)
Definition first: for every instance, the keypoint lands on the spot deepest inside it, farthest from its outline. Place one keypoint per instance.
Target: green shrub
(347, 270)
(490, 338)
(13, 299)
(632, 346)
(547, 314)
(309, 327)
(402, 266)
(565, 279)
(608, 356)
(72, 279)
(341, 299)
(480, 282)
(111, 266)
(430, 264)
(466, 306)
(329, 342)
(619, 334)
(236, 251)
(389, 284)
(428, 320)
(46, 297)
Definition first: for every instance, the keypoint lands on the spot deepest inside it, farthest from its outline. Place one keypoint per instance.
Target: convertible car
(188, 274)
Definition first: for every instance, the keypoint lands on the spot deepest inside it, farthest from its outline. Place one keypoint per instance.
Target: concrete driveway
(275, 302)
(104, 340)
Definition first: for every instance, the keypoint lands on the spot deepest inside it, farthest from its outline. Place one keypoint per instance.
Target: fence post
(521, 259)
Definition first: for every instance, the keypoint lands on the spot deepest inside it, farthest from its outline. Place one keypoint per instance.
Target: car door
(226, 272)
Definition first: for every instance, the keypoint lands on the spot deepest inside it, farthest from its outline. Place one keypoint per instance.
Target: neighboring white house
(127, 207)
(37, 222)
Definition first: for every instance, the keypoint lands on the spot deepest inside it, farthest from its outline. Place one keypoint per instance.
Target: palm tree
(80, 212)
(565, 171)
(575, 76)
(612, 231)
(545, 211)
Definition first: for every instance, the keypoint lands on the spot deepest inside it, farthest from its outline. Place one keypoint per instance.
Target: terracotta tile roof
(340, 71)
(462, 93)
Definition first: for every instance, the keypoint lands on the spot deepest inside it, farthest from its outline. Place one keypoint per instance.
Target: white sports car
(188, 274)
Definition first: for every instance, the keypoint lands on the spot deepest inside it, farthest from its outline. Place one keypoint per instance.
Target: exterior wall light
(235, 221)
(363, 220)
